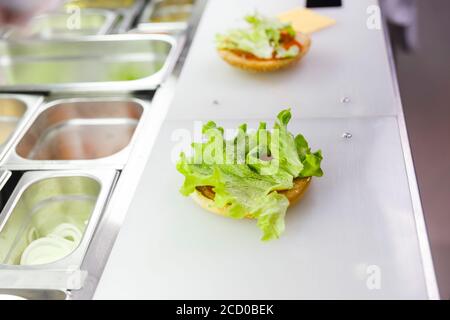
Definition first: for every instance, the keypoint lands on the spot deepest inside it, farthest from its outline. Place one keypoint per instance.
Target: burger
(266, 45)
(256, 174)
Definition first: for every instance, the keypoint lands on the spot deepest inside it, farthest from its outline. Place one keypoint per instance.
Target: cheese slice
(305, 20)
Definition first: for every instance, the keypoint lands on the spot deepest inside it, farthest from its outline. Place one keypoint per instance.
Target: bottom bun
(294, 194)
(261, 65)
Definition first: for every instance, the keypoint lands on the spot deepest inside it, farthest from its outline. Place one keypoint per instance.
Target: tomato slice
(286, 41)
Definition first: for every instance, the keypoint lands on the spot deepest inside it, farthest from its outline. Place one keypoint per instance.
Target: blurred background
(420, 38)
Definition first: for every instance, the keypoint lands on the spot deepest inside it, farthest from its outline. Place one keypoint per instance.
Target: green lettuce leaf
(262, 38)
(246, 170)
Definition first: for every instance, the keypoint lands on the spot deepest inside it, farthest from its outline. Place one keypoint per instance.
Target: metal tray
(15, 110)
(39, 203)
(79, 133)
(91, 63)
(33, 294)
(126, 10)
(166, 16)
(62, 25)
(104, 4)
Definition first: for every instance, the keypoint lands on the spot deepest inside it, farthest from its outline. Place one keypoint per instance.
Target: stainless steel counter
(362, 220)
(77, 132)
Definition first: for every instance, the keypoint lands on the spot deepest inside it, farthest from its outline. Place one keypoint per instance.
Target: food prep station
(87, 122)
(76, 107)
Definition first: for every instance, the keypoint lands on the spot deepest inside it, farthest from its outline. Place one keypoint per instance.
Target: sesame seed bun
(266, 65)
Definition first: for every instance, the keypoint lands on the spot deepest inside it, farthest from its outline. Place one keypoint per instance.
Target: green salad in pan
(255, 175)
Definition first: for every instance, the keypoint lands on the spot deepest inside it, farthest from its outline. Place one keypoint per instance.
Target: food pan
(33, 294)
(166, 15)
(47, 225)
(126, 10)
(104, 4)
(93, 63)
(15, 110)
(79, 133)
(63, 24)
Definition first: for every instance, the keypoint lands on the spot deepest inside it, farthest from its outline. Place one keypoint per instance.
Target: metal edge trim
(4, 176)
(424, 245)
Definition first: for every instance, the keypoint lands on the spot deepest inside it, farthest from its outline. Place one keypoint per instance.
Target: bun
(261, 65)
(204, 196)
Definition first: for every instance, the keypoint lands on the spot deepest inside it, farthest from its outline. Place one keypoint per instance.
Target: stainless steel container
(104, 4)
(166, 16)
(126, 10)
(15, 110)
(96, 63)
(66, 24)
(40, 204)
(33, 294)
(79, 133)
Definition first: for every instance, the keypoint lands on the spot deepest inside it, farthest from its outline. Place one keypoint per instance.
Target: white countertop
(358, 218)
(346, 60)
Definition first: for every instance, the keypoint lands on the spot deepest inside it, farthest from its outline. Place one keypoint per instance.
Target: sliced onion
(46, 250)
(67, 231)
(56, 245)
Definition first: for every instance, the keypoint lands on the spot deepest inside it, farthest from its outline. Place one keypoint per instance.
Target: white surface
(347, 59)
(358, 214)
